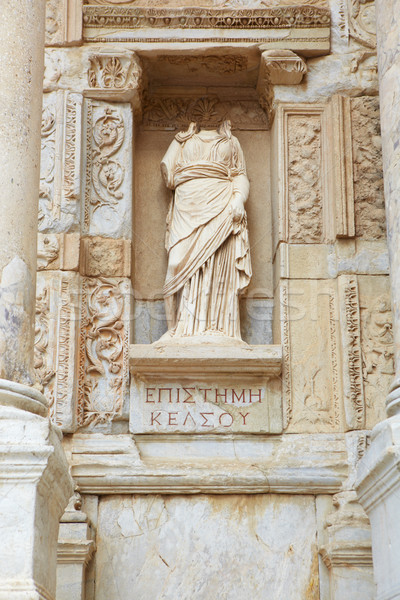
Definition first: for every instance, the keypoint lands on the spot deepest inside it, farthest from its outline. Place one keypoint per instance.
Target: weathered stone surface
(105, 257)
(139, 533)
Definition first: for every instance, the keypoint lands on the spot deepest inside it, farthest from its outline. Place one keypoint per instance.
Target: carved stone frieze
(229, 63)
(209, 18)
(107, 207)
(168, 112)
(55, 344)
(103, 350)
(60, 162)
(367, 167)
(358, 21)
(115, 76)
(286, 367)
(353, 391)
(213, 4)
(302, 27)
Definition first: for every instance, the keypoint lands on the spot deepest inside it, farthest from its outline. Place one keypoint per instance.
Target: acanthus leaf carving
(103, 351)
(114, 71)
(105, 172)
(166, 112)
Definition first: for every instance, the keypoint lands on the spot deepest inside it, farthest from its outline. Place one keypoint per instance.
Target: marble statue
(207, 238)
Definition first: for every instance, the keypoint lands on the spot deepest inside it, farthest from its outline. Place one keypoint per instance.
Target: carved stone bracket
(348, 532)
(115, 76)
(278, 67)
(282, 67)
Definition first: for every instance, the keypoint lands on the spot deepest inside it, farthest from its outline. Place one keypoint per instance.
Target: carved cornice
(205, 18)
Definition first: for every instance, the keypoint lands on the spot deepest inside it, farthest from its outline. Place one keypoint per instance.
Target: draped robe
(208, 252)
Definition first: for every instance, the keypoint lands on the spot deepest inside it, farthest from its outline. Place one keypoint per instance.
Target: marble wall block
(310, 338)
(231, 547)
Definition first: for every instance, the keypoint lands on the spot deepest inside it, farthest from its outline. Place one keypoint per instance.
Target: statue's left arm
(241, 185)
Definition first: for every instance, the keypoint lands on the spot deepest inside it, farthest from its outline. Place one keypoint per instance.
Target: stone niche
(190, 388)
(205, 87)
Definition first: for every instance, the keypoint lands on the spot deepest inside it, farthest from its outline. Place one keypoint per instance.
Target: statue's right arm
(168, 163)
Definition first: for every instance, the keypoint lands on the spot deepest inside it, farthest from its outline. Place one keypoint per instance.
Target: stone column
(21, 77)
(378, 484)
(35, 484)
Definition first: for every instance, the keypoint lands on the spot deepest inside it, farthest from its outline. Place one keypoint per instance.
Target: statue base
(205, 388)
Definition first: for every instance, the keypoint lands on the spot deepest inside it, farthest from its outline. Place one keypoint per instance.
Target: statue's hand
(237, 209)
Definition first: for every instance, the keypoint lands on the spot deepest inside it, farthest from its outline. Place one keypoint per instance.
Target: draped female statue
(206, 239)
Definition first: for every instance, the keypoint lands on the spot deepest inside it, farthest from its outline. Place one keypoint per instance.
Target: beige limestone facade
(201, 468)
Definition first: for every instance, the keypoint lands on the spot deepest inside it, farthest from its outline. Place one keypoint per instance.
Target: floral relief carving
(367, 165)
(47, 165)
(353, 352)
(105, 172)
(44, 370)
(305, 210)
(161, 112)
(274, 17)
(103, 351)
(114, 72)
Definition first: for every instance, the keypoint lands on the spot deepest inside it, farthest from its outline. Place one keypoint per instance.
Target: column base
(378, 490)
(35, 488)
(23, 590)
